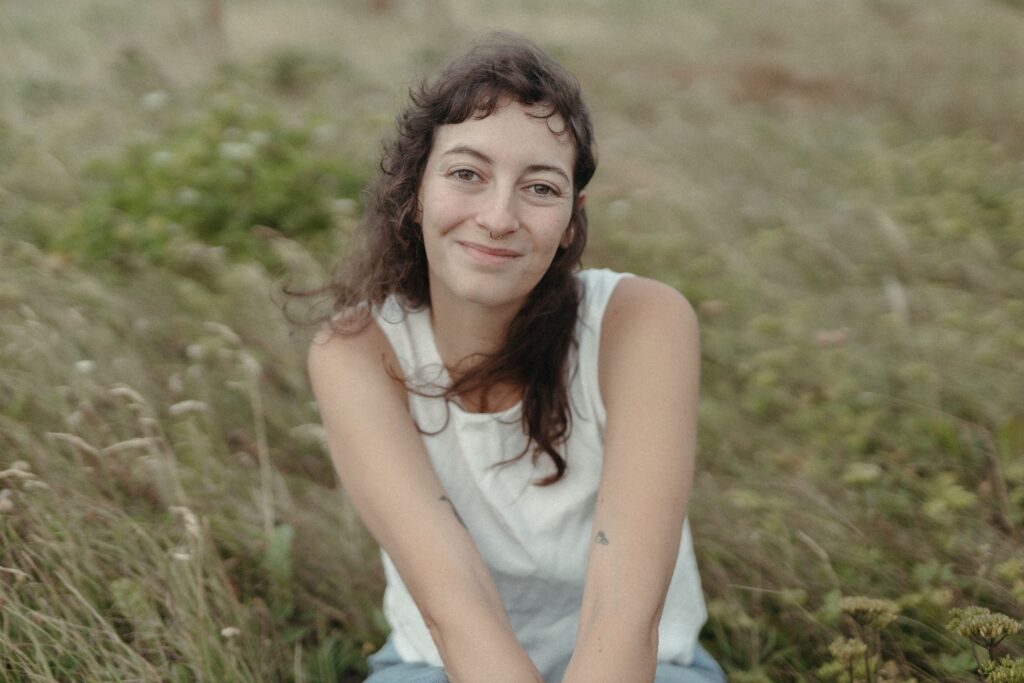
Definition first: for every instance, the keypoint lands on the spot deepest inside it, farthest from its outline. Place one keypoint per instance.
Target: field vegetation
(837, 187)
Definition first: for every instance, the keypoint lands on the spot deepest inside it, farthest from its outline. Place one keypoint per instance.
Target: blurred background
(837, 187)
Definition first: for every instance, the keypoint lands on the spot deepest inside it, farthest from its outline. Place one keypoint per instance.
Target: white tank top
(534, 539)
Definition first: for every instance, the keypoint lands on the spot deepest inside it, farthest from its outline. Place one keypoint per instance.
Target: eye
(465, 174)
(543, 190)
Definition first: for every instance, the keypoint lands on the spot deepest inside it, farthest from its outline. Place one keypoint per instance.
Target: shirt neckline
(434, 357)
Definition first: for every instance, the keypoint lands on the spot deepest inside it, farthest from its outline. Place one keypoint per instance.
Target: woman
(518, 436)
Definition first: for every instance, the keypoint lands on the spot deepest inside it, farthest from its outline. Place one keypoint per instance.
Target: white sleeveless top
(534, 539)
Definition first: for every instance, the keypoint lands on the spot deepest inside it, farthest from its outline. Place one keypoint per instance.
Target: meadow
(837, 187)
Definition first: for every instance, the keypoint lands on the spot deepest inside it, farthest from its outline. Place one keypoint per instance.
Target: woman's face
(495, 203)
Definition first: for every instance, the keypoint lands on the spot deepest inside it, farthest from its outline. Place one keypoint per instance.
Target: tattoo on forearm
(457, 515)
(601, 538)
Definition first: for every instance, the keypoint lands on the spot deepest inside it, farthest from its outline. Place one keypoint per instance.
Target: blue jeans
(387, 667)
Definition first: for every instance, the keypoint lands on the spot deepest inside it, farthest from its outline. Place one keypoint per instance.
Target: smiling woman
(495, 204)
(465, 339)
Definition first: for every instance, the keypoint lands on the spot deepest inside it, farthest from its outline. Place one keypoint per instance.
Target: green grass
(838, 188)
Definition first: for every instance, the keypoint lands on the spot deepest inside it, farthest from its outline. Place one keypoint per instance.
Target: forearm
(477, 643)
(607, 651)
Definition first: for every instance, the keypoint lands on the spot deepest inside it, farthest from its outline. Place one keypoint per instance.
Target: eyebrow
(532, 168)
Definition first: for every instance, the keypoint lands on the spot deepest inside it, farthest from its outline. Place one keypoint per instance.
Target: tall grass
(837, 188)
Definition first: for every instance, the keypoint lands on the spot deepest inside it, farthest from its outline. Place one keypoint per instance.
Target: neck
(466, 331)
(463, 332)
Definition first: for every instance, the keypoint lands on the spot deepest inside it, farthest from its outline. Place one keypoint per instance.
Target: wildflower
(981, 626)
(229, 632)
(869, 611)
(1004, 670)
(848, 650)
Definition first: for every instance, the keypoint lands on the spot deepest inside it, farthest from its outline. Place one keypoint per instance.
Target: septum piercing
(491, 235)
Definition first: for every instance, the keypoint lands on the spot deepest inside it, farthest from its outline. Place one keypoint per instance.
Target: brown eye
(542, 190)
(465, 174)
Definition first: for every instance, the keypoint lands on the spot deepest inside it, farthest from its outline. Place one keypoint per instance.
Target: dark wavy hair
(500, 68)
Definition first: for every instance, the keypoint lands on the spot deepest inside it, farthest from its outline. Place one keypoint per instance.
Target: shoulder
(642, 305)
(648, 326)
(356, 352)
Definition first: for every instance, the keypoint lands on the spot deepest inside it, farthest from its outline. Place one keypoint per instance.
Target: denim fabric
(387, 667)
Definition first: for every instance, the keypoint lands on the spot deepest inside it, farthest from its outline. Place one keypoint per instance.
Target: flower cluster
(982, 626)
(1004, 670)
(873, 612)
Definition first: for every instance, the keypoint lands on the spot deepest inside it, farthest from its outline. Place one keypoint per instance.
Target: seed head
(872, 612)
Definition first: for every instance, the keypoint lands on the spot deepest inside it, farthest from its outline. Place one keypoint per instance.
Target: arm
(384, 467)
(649, 376)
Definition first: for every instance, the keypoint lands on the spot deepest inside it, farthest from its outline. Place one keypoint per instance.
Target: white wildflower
(229, 632)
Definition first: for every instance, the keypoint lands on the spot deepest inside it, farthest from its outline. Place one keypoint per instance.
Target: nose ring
(490, 233)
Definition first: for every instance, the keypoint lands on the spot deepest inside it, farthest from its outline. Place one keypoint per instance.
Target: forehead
(513, 131)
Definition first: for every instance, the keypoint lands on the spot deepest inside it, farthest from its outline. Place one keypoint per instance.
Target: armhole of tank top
(595, 319)
(392, 332)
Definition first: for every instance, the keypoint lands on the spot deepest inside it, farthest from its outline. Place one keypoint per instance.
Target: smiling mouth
(489, 252)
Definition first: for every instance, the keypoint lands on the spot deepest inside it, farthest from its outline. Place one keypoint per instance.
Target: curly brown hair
(502, 67)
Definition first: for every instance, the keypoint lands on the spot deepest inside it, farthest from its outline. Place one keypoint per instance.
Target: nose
(497, 214)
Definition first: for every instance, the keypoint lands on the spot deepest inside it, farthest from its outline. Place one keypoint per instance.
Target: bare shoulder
(364, 355)
(648, 329)
(642, 305)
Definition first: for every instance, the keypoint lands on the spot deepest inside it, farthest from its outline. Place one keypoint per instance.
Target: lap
(387, 667)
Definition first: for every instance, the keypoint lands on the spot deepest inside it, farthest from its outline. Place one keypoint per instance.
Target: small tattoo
(457, 515)
(601, 538)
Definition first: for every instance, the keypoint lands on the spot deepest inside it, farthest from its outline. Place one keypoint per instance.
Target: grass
(836, 187)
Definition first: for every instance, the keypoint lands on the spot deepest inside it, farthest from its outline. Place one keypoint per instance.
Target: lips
(486, 254)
